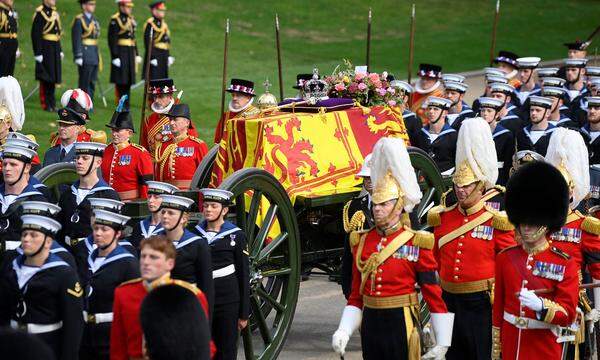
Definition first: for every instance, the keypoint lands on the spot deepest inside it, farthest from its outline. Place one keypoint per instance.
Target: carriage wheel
(201, 177)
(274, 258)
(55, 175)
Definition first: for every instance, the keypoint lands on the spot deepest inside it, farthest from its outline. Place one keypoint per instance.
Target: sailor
(160, 42)
(230, 264)
(591, 130)
(85, 32)
(575, 50)
(537, 135)
(536, 286)
(240, 106)
(9, 45)
(491, 76)
(453, 77)
(507, 62)
(545, 72)
(429, 84)
(109, 265)
(459, 110)
(529, 86)
(575, 76)
(549, 81)
(390, 260)
(437, 138)
(28, 141)
(74, 202)
(504, 140)
(559, 96)
(468, 236)
(412, 123)
(41, 293)
(509, 115)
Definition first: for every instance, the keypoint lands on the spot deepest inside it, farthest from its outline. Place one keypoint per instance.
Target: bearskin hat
(537, 194)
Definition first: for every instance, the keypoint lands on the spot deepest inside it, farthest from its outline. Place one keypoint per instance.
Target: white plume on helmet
(567, 150)
(78, 95)
(475, 146)
(12, 98)
(390, 154)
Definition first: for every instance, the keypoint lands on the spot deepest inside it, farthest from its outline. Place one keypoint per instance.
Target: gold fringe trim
(424, 239)
(551, 309)
(434, 215)
(591, 225)
(500, 222)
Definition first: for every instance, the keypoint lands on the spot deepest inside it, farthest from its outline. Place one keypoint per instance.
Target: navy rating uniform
(11, 211)
(122, 45)
(143, 229)
(230, 271)
(85, 32)
(441, 147)
(46, 302)
(84, 248)
(8, 40)
(525, 141)
(46, 31)
(413, 125)
(505, 149)
(56, 249)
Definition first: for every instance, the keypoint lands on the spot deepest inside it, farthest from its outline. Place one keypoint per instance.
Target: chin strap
(109, 244)
(177, 224)
(543, 117)
(20, 175)
(41, 247)
(438, 118)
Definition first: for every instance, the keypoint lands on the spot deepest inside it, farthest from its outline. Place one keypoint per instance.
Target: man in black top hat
(160, 42)
(9, 45)
(46, 31)
(84, 36)
(242, 97)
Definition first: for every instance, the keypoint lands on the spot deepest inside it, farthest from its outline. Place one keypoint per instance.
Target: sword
(31, 93)
(101, 92)
(521, 314)
(138, 84)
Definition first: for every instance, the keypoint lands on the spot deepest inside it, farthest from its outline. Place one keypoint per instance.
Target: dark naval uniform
(161, 43)
(103, 277)
(84, 36)
(193, 264)
(525, 141)
(455, 120)
(567, 122)
(77, 212)
(84, 248)
(504, 141)
(8, 40)
(592, 140)
(11, 211)
(512, 121)
(46, 31)
(230, 271)
(143, 230)
(357, 216)
(413, 126)
(45, 301)
(441, 148)
(122, 45)
(56, 249)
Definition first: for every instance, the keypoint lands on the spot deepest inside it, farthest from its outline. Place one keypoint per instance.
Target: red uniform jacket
(176, 162)
(546, 268)
(418, 101)
(126, 168)
(126, 330)
(469, 255)
(156, 129)
(412, 263)
(579, 238)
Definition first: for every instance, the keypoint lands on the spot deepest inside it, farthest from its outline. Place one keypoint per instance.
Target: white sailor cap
(492, 71)
(530, 62)
(502, 88)
(109, 218)
(439, 102)
(43, 224)
(10, 151)
(593, 101)
(159, 188)
(39, 208)
(456, 86)
(402, 86)
(594, 81)
(22, 142)
(89, 148)
(176, 202)
(554, 91)
(592, 71)
(106, 204)
(540, 101)
(545, 72)
(365, 169)
(523, 157)
(453, 77)
(216, 195)
(496, 79)
(26, 140)
(553, 81)
(490, 102)
(575, 63)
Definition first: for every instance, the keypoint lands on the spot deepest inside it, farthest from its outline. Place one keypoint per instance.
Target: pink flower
(359, 76)
(392, 102)
(362, 86)
(353, 88)
(340, 87)
(381, 91)
(377, 84)
(391, 90)
(374, 77)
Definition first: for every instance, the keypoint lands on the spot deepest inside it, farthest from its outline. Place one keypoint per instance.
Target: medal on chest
(232, 242)
(75, 216)
(407, 252)
(184, 151)
(493, 204)
(595, 191)
(568, 235)
(549, 270)
(165, 133)
(483, 232)
(124, 160)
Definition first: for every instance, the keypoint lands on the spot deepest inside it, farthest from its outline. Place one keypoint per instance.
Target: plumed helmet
(476, 158)
(11, 102)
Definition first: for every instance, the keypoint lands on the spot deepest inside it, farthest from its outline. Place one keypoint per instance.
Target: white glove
(593, 316)
(154, 62)
(529, 299)
(138, 59)
(18, 53)
(39, 58)
(62, 55)
(171, 60)
(116, 62)
(350, 321)
(79, 61)
(438, 352)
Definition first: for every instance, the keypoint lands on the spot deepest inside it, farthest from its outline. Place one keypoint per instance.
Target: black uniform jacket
(524, 140)
(141, 230)
(592, 145)
(122, 45)
(413, 126)
(505, 149)
(11, 211)
(443, 149)
(46, 30)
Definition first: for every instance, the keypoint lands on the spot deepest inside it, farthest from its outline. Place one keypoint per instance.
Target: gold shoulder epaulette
(39, 8)
(434, 215)
(185, 284)
(560, 253)
(132, 281)
(500, 221)
(356, 235)
(500, 188)
(423, 239)
(346, 217)
(508, 248)
(195, 139)
(139, 147)
(115, 16)
(591, 224)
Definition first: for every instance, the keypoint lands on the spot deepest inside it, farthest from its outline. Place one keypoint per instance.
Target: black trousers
(121, 90)
(47, 95)
(225, 330)
(88, 74)
(95, 344)
(472, 332)
(383, 334)
(8, 56)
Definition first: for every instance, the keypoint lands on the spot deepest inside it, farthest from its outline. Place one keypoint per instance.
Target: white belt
(11, 245)
(36, 328)
(500, 164)
(527, 323)
(73, 242)
(97, 318)
(224, 271)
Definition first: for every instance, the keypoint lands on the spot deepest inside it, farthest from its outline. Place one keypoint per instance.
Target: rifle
(369, 41)
(496, 18)
(278, 44)
(411, 48)
(224, 80)
(147, 77)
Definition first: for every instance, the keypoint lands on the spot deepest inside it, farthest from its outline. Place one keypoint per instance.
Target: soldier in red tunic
(126, 166)
(429, 84)
(468, 236)
(536, 283)
(178, 158)
(389, 261)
